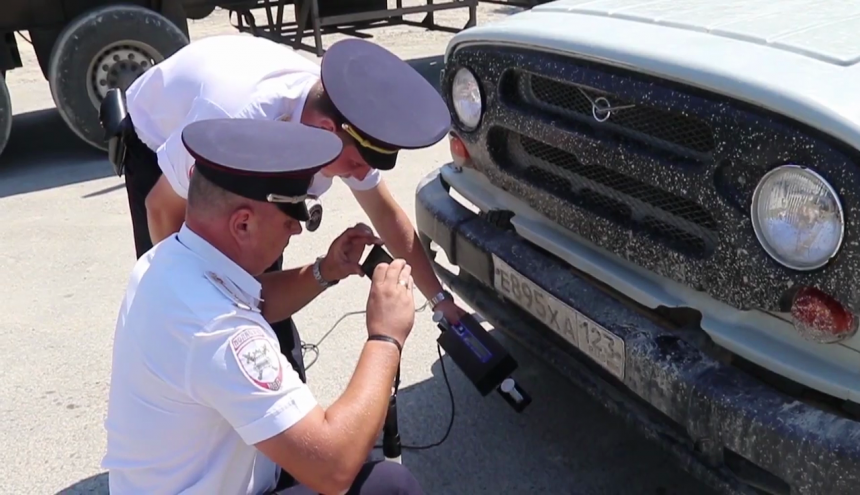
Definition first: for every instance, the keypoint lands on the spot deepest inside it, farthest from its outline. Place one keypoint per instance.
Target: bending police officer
(375, 102)
(201, 399)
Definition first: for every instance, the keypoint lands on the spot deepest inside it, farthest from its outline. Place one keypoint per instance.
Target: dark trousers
(375, 478)
(141, 174)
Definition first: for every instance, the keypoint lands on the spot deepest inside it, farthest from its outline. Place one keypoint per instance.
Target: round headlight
(797, 217)
(466, 95)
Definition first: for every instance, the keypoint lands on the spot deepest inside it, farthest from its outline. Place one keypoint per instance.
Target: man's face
(266, 233)
(350, 162)
(282, 228)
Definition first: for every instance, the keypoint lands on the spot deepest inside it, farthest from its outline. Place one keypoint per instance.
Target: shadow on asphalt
(508, 9)
(44, 153)
(96, 485)
(564, 443)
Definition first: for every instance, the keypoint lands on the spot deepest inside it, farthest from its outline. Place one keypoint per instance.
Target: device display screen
(483, 354)
(376, 256)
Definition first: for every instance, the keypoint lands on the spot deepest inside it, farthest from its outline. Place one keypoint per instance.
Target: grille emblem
(601, 109)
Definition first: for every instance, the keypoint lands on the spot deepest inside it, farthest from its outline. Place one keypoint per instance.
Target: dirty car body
(662, 199)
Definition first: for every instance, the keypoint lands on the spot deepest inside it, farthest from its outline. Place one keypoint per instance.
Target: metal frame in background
(277, 30)
(525, 4)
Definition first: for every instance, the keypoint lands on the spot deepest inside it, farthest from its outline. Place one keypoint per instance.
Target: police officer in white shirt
(374, 101)
(202, 401)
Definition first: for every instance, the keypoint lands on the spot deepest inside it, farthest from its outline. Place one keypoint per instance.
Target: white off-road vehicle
(662, 198)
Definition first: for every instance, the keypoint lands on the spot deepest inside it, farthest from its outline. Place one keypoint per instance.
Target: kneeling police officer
(202, 400)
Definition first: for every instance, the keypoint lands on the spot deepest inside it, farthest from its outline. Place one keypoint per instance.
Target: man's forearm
(163, 223)
(165, 210)
(401, 239)
(396, 230)
(285, 292)
(327, 449)
(359, 413)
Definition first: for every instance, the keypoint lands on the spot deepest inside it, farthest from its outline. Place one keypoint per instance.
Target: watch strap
(325, 284)
(438, 298)
(386, 338)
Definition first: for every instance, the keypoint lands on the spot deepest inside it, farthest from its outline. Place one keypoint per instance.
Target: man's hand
(344, 255)
(452, 312)
(391, 304)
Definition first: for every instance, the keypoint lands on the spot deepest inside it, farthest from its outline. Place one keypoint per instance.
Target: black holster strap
(117, 125)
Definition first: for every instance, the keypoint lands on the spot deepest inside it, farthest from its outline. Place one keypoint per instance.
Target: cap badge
(315, 211)
(279, 198)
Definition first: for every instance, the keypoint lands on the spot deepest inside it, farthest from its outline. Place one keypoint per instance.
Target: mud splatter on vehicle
(661, 198)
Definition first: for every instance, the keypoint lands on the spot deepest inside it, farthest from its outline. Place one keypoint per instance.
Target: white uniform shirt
(229, 76)
(197, 378)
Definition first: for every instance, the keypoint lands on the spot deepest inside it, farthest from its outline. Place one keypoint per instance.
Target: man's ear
(242, 224)
(328, 124)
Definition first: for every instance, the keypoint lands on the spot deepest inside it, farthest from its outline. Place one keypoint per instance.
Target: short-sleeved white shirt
(227, 76)
(197, 378)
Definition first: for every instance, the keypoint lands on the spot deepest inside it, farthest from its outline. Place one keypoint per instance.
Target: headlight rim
(460, 124)
(757, 228)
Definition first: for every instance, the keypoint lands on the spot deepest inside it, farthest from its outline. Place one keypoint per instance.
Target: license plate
(601, 345)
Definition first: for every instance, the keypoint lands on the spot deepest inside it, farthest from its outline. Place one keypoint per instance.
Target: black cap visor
(297, 211)
(377, 155)
(377, 160)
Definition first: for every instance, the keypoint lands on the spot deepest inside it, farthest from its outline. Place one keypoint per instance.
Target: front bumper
(723, 425)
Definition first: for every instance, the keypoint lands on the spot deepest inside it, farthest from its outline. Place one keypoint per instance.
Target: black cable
(453, 411)
(308, 347)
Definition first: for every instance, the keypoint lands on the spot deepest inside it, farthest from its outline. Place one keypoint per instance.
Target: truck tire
(5, 114)
(105, 48)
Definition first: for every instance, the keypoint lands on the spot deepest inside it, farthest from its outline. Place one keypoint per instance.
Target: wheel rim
(117, 66)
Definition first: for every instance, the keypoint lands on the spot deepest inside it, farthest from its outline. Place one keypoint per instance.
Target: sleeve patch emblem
(257, 358)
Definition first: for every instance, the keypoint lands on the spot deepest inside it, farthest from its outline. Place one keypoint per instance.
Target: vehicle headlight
(797, 217)
(466, 95)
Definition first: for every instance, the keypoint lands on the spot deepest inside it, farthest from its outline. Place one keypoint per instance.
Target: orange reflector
(821, 318)
(459, 153)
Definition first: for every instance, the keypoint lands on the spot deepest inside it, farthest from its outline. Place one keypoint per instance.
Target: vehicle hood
(824, 30)
(795, 57)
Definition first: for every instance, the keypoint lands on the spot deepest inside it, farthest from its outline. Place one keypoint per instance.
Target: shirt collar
(224, 266)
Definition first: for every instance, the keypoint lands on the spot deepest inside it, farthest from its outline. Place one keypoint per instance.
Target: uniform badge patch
(258, 358)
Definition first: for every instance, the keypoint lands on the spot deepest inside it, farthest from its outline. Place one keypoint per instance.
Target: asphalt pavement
(65, 254)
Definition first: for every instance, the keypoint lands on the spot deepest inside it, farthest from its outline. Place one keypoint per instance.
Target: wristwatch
(325, 284)
(438, 298)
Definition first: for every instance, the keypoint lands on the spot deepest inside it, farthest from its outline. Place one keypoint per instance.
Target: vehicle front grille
(564, 99)
(664, 179)
(678, 222)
